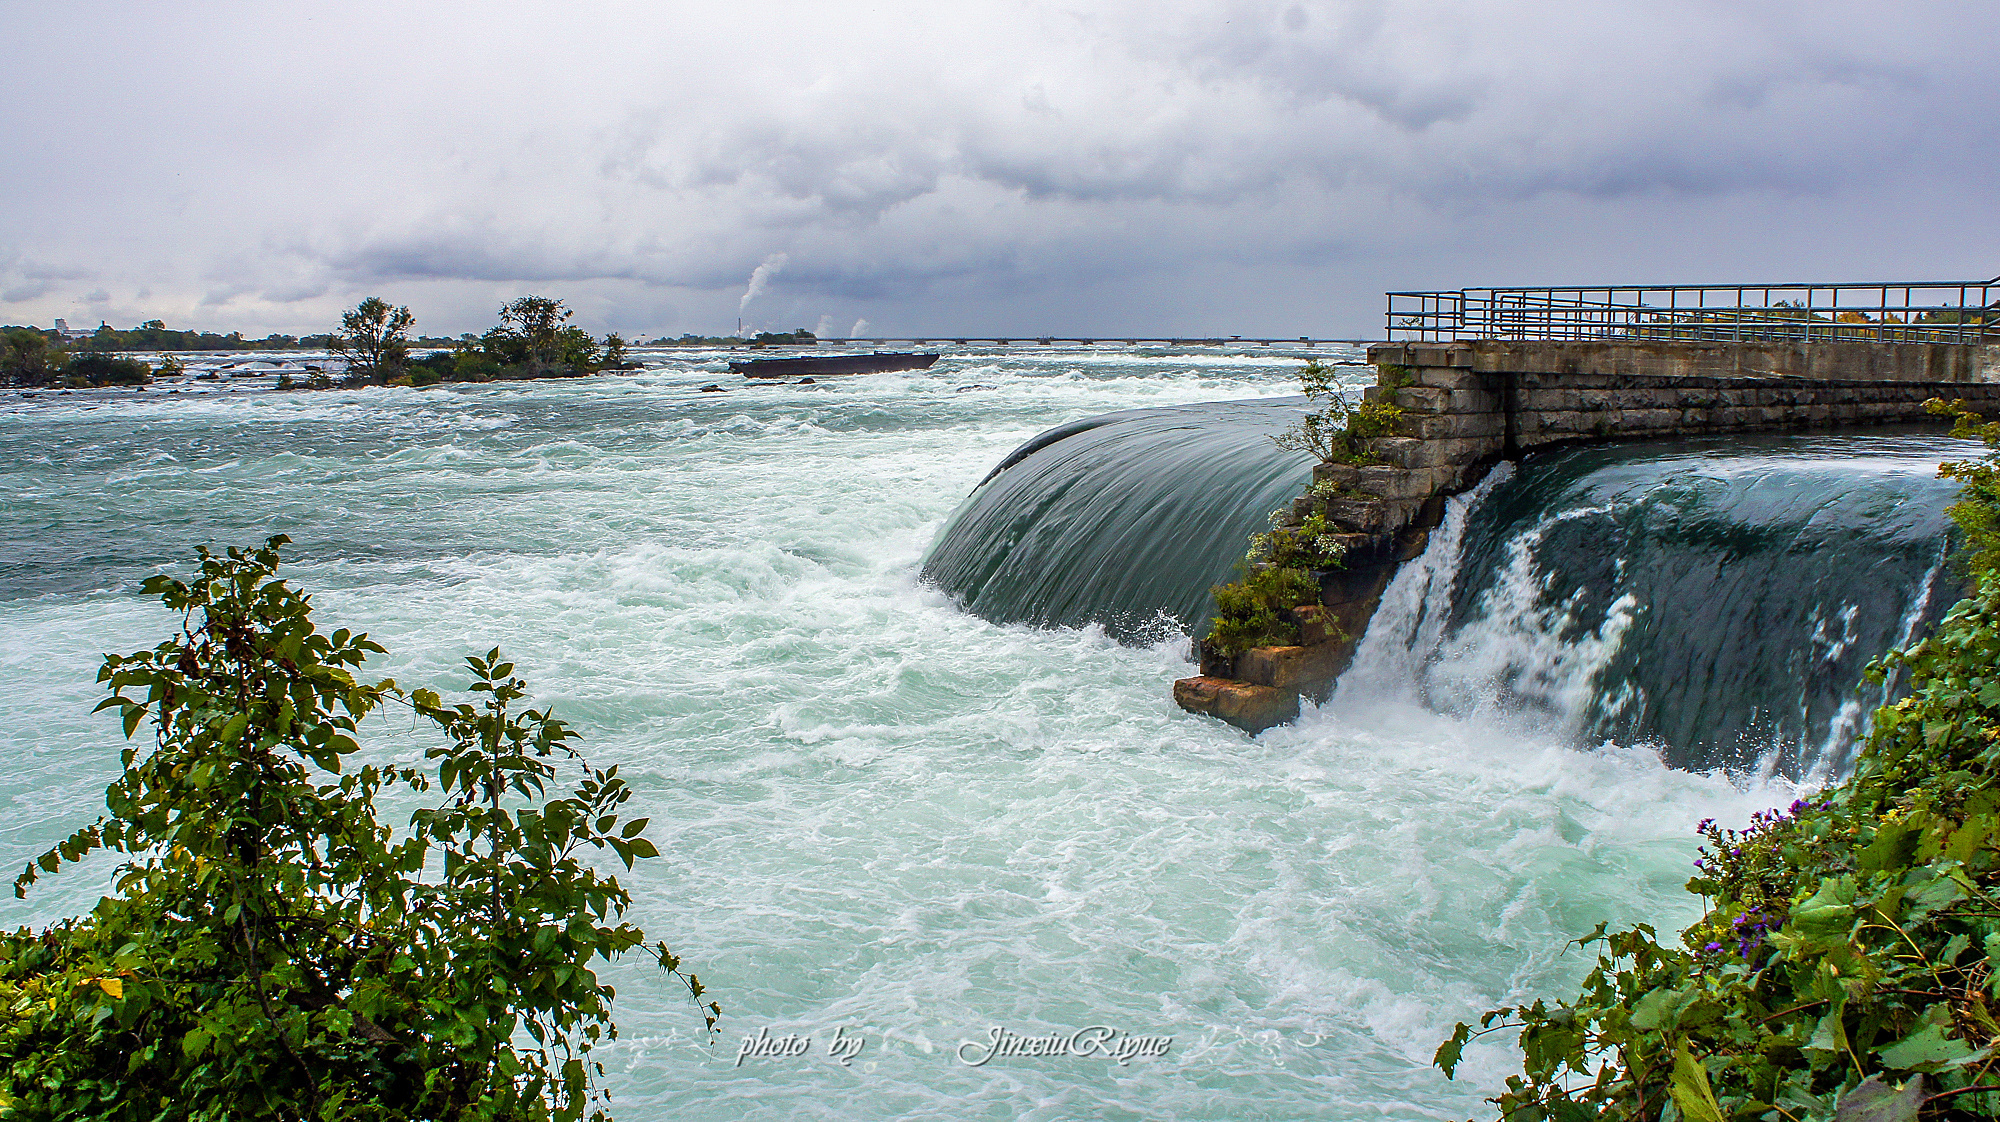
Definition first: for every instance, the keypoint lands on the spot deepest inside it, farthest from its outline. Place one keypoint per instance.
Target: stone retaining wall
(1468, 405)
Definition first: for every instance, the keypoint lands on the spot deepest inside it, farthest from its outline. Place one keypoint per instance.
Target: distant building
(63, 329)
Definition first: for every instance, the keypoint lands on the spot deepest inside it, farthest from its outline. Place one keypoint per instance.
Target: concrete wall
(1467, 406)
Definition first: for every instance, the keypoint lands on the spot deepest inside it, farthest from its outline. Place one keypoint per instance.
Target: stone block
(1388, 482)
(1354, 515)
(1636, 421)
(1293, 668)
(1451, 426)
(1337, 475)
(1563, 424)
(1410, 544)
(1252, 708)
(1214, 664)
(1436, 356)
(1445, 378)
(1414, 453)
(1317, 625)
(1359, 550)
(1415, 399)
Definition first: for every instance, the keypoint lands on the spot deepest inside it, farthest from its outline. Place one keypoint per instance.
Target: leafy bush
(1254, 611)
(1280, 573)
(1336, 431)
(474, 365)
(274, 949)
(1848, 964)
(95, 368)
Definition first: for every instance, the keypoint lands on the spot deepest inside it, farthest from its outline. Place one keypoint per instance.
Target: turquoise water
(879, 815)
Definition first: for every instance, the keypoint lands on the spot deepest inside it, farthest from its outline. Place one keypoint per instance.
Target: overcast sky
(1253, 167)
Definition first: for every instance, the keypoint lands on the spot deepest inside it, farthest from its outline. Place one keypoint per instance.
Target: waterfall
(1717, 599)
(1123, 520)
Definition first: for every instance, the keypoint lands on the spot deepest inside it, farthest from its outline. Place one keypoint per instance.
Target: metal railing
(1900, 312)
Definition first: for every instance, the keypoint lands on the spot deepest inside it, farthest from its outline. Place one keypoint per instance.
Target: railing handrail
(1949, 311)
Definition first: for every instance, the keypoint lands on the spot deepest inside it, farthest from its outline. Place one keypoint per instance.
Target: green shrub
(29, 356)
(1336, 432)
(1280, 573)
(472, 365)
(274, 949)
(96, 368)
(1254, 611)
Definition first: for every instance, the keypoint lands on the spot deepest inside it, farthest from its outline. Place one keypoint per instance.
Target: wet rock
(1251, 708)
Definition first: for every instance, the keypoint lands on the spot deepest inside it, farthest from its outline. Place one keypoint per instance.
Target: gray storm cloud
(1249, 166)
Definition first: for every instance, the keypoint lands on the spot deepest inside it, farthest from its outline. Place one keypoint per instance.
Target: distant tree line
(533, 340)
(154, 335)
(798, 338)
(30, 356)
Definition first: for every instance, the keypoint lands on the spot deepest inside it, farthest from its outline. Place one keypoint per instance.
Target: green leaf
(1829, 1034)
(1929, 1049)
(1447, 1058)
(1829, 911)
(1659, 1008)
(1690, 1089)
(1875, 1101)
(1894, 844)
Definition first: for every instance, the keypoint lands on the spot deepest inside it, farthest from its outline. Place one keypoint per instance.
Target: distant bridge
(1086, 341)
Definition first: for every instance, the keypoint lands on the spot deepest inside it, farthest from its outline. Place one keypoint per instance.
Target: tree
(375, 338)
(274, 949)
(538, 321)
(614, 353)
(29, 357)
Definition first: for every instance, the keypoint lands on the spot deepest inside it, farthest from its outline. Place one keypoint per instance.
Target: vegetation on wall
(1281, 572)
(273, 947)
(1336, 430)
(1847, 964)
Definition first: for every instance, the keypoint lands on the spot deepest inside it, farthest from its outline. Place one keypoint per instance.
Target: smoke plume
(760, 278)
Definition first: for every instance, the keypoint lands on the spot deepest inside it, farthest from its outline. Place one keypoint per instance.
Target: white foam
(875, 811)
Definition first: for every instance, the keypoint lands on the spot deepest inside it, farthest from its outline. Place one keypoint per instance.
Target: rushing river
(880, 815)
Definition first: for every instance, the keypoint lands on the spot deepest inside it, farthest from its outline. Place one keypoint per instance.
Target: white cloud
(1234, 166)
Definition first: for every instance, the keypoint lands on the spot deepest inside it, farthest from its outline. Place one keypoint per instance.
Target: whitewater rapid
(880, 815)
